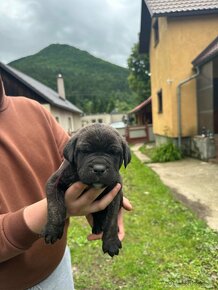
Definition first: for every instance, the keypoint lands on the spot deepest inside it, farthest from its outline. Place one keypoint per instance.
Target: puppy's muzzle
(99, 170)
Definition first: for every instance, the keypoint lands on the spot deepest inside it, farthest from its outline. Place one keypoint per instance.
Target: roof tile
(158, 7)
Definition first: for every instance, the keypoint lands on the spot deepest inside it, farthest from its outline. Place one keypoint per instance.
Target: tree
(139, 74)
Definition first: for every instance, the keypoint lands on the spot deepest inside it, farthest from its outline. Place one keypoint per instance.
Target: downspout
(179, 104)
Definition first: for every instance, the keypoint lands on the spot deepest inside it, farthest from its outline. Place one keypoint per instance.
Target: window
(160, 101)
(156, 31)
(100, 121)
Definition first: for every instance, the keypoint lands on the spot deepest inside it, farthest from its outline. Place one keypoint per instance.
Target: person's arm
(35, 215)
(15, 236)
(19, 230)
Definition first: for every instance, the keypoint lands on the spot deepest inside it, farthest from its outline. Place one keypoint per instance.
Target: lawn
(166, 246)
(148, 149)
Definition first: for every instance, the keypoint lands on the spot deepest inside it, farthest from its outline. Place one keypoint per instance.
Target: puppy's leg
(55, 190)
(98, 221)
(111, 242)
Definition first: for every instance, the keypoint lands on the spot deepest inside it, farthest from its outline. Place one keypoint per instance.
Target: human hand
(78, 204)
(127, 206)
(82, 204)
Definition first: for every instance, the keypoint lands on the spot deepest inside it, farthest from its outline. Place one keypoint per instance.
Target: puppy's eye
(113, 151)
(85, 151)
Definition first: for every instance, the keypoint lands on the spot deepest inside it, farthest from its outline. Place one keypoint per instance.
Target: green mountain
(92, 84)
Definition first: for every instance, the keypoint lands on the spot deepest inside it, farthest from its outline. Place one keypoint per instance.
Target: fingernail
(118, 186)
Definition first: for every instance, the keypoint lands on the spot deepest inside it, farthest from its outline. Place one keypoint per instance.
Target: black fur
(94, 156)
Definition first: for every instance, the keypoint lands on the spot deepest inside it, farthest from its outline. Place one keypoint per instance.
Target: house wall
(181, 39)
(205, 98)
(69, 121)
(215, 93)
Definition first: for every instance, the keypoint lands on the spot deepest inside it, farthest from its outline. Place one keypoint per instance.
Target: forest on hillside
(92, 84)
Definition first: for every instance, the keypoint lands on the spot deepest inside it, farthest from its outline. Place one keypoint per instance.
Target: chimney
(60, 86)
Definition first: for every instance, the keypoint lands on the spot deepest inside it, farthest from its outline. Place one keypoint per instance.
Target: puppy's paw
(52, 233)
(112, 246)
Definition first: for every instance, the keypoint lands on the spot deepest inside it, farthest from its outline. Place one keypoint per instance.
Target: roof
(170, 8)
(45, 92)
(165, 7)
(207, 54)
(141, 106)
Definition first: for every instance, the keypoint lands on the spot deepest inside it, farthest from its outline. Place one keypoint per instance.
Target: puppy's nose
(99, 168)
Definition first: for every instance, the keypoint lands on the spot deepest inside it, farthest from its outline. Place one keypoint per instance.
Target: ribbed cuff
(17, 232)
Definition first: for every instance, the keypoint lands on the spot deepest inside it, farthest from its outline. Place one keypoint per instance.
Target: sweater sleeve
(61, 137)
(15, 235)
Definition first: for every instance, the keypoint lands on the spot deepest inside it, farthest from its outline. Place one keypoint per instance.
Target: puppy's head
(97, 151)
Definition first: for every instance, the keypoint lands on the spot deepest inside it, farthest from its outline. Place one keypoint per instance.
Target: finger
(93, 237)
(76, 189)
(90, 195)
(121, 235)
(106, 200)
(120, 222)
(126, 204)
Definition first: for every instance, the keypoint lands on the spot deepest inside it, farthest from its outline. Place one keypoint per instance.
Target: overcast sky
(105, 28)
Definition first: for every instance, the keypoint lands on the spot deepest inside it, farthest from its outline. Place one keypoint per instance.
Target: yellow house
(176, 33)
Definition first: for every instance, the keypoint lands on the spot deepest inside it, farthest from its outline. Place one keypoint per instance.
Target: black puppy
(94, 156)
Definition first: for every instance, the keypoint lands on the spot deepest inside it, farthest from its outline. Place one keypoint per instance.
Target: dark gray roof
(207, 54)
(45, 92)
(164, 7)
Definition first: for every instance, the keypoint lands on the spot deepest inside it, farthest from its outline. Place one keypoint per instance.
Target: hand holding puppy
(79, 204)
(83, 204)
(127, 206)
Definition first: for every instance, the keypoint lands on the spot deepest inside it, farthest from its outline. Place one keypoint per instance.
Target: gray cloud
(105, 28)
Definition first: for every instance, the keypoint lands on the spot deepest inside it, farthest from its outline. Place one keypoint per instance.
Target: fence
(136, 134)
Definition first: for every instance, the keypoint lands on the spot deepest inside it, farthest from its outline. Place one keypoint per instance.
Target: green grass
(165, 247)
(147, 149)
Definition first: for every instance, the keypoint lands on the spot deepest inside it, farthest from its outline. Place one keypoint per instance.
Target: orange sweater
(31, 144)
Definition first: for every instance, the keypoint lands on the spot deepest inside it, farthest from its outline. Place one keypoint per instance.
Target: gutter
(179, 88)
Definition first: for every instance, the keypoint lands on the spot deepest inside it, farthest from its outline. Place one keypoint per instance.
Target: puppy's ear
(126, 153)
(69, 150)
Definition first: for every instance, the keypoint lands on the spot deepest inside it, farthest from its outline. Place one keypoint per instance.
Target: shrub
(166, 152)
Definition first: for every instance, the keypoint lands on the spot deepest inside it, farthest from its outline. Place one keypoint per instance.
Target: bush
(166, 152)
